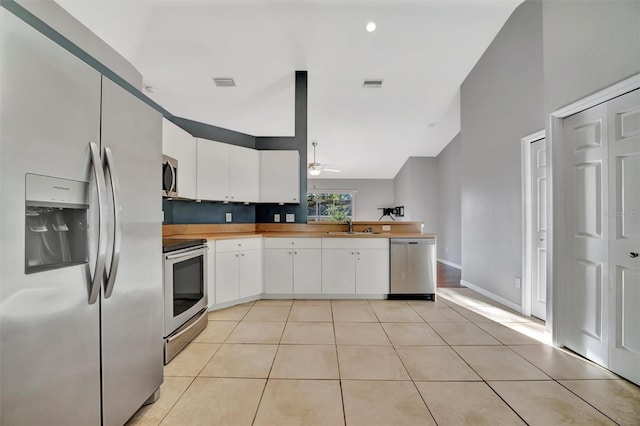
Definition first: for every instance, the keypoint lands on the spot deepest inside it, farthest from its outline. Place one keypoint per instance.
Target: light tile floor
(461, 360)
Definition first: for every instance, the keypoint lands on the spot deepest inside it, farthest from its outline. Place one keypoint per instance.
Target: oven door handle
(117, 224)
(189, 253)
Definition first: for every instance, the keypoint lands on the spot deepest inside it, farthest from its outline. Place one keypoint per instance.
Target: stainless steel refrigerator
(80, 239)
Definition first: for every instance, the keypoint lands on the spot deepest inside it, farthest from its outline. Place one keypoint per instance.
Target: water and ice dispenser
(55, 223)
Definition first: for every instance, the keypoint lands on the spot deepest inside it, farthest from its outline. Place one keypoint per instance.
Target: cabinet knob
(295, 252)
(289, 252)
(242, 254)
(294, 198)
(352, 253)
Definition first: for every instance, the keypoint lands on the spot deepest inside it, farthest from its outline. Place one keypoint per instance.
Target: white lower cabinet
(355, 266)
(292, 266)
(211, 273)
(238, 269)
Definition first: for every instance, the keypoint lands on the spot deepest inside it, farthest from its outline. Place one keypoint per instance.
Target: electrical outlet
(276, 217)
(228, 217)
(386, 227)
(290, 217)
(517, 282)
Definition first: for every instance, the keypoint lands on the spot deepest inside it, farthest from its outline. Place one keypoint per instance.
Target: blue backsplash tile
(183, 212)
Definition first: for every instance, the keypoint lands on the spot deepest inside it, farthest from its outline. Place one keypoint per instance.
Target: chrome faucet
(350, 223)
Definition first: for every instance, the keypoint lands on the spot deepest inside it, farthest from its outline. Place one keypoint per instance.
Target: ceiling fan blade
(331, 170)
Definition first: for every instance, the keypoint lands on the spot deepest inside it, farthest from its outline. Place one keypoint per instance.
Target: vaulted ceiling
(421, 49)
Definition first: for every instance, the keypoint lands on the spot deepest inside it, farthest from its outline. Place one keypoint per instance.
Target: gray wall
(372, 193)
(501, 102)
(415, 187)
(449, 199)
(588, 46)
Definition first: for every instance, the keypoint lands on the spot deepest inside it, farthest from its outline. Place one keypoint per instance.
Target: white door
(227, 276)
(624, 220)
(250, 273)
(307, 271)
(338, 271)
(212, 170)
(372, 271)
(244, 174)
(538, 235)
(585, 272)
(278, 271)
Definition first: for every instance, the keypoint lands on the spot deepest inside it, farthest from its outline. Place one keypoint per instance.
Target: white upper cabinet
(280, 177)
(244, 174)
(227, 172)
(180, 145)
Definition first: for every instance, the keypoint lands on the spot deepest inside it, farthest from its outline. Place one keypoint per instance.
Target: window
(329, 205)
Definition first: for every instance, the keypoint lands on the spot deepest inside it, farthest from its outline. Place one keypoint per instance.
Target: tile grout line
(335, 340)
(193, 379)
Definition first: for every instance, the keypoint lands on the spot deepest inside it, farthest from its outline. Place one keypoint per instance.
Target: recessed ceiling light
(224, 82)
(431, 125)
(371, 26)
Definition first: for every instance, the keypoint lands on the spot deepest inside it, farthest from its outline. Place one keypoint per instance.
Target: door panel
(227, 276)
(372, 271)
(338, 271)
(586, 296)
(278, 271)
(250, 273)
(49, 334)
(307, 271)
(624, 222)
(538, 237)
(132, 317)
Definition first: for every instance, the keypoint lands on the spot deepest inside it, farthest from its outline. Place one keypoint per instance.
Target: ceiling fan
(316, 168)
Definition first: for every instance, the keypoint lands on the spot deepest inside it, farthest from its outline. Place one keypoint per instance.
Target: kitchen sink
(351, 233)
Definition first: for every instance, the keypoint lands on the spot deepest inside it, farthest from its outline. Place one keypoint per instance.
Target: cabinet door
(212, 170)
(338, 271)
(278, 271)
(250, 273)
(372, 271)
(227, 277)
(280, 176)
(179, 144)
(244, 177)
(307, 271)
(211, 273)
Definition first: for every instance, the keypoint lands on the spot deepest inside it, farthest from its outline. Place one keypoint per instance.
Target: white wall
(68, 26)
(449, 198)
(501, 102)
(372, 194)
(415, 188)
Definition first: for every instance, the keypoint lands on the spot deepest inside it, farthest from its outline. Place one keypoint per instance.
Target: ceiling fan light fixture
(314, 171)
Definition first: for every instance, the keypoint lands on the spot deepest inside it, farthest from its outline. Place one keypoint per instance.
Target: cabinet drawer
(238, 244)
(293, 243)
(355, 243)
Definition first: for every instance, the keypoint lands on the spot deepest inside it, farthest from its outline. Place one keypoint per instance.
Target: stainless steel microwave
(169, 176)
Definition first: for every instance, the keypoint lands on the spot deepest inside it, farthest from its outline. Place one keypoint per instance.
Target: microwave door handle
(101, 188)
(172, 188)
(110, 277)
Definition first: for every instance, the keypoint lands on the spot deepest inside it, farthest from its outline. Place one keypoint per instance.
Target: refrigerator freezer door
(132, 344)
(49, 340)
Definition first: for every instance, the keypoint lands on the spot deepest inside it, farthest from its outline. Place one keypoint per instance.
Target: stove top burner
(174, 244)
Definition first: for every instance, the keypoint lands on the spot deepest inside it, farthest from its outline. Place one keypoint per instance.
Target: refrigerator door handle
(110, 277)
(101, 187)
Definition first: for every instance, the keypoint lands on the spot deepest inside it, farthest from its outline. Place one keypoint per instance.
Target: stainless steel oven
(185, 292)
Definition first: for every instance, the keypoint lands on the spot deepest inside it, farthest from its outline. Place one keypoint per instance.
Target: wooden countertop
(285, 230)
(299, 234)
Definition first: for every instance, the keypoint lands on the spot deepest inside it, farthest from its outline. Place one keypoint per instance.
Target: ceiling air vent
(224, 82)
(372, 83)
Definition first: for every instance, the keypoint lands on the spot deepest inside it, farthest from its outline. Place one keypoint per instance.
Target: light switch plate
(228, 217)
(386, 227)
(291, 217)
(276, 217)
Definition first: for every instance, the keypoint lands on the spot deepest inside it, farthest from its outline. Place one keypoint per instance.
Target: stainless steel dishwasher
(413, 268)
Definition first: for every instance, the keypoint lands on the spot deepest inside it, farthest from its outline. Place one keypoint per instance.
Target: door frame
(527, 225)
(556, 235)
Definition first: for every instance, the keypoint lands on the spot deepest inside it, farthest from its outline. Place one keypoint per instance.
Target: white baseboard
(492, 296)
(453, 265)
